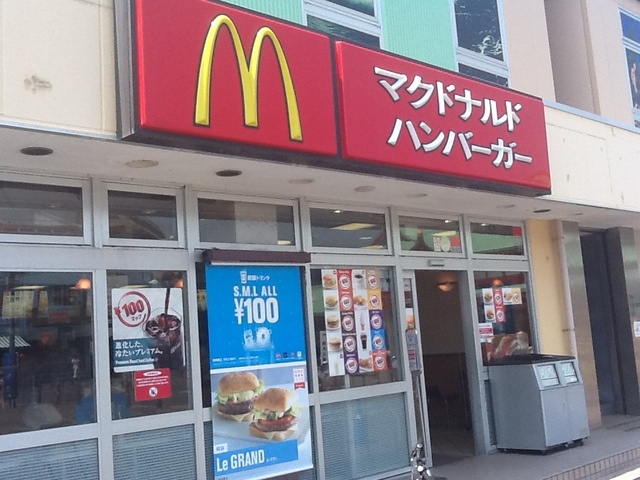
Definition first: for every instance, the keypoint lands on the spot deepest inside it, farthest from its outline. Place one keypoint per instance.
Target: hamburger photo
(333, 322)
(335, 344)
(236, 395)
(329, 280)
(275, 414)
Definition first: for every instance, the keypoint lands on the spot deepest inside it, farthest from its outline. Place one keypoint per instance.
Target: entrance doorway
(602, 319)
(444, 366)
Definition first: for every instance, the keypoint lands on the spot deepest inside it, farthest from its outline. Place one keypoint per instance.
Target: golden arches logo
(248, 76)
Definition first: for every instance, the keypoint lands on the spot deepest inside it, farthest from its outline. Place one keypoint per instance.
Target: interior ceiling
(83, 157)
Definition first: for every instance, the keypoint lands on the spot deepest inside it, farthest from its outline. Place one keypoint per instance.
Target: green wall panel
(287, 9)
(420, 29)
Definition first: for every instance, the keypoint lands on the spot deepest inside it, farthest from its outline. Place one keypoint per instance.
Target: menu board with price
(354, 321)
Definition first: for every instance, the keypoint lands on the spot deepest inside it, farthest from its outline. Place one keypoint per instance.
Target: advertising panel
(354, 320)
(258, 368)
(233, 76)
(148, 329)
(409, 115)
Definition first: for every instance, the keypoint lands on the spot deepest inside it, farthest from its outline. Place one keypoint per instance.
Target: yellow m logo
(248, 76)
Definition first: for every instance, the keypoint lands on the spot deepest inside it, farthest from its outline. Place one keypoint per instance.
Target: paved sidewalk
(609, 450)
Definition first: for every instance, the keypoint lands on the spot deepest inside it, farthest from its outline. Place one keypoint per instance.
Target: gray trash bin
(538, 402)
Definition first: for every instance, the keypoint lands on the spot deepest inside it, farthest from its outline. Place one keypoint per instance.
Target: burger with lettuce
(236, 395)
(275, 414)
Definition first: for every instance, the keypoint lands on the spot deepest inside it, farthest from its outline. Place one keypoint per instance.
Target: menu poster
(495, 299)
(354, 321)
(148, 330)
(258, 365)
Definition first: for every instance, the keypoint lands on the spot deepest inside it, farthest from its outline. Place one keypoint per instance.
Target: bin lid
(528, 359)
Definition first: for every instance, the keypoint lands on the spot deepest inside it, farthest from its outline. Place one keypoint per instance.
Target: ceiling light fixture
(365, 188)
(542, 210)
(143, 163)
(36, 151)
(349, 227)
(447, 286)
(416, 195)
(301, 181)
(228, 173)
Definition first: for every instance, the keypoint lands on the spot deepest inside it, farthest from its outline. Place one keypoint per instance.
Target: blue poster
(258, 368)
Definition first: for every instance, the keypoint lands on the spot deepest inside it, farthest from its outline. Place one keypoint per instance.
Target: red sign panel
(152, 384)
(408, 115)
(217, 73)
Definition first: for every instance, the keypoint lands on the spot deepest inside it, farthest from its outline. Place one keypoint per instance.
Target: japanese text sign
(216, 73)
(409, 115)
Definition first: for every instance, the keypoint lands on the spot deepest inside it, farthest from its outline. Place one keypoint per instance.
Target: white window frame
(629, 44)
(495, 257)
(296, 247)
(427, 216)
(345, 17)
(351, 251)
(102, 201)
(85, 239)
(477, 60)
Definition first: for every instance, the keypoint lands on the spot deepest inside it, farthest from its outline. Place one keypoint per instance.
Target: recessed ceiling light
(542, 210)
(365, 188)
(416, 195)
(144, 163)
(448, 221)
(301, 181)
(228, 173)
(36, 151)
(337, 211)
(511, 205)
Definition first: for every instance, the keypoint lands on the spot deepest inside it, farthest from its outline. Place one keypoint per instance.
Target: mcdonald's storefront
(295, 261)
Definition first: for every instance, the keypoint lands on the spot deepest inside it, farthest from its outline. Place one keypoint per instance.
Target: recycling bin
(538, 402)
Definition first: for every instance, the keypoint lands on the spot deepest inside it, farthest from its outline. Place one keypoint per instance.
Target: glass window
(480, 40)
(343, 32)
(33, 209)
(149, 356)
(478, 27)
(482, 75)
(503, 314)
(364, 6)
(631, 41)
(46, 351)
(487, 238)
(142, 216)
(430, 235)
(223, 221)
(355, 328)
(337, 228)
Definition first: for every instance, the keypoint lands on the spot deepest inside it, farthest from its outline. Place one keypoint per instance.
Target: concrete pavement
(609, 450)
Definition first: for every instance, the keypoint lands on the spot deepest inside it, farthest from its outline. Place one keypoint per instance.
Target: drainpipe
(566, 289)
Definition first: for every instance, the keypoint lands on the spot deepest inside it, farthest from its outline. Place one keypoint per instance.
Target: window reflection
(364, 6)
(346, 229)
(142, 216)
(32, 209)
(430, 235)
(343, 32)
(478, 26)
(149, 356)
(503, 314)
(46, 350)
(223, 221)
(494, 239)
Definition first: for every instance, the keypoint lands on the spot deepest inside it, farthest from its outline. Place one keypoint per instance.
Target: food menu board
(496, 298)
(354, 321)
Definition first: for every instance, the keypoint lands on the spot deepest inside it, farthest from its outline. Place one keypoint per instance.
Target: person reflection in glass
(633, 79)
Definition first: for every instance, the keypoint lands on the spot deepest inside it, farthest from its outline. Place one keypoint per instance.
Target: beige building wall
(546, 270)
(528, 47)
(592, 162)
(57, 64)
(589, 65)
